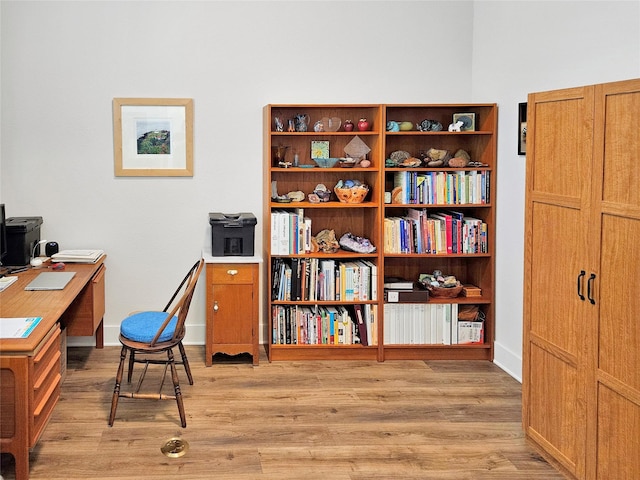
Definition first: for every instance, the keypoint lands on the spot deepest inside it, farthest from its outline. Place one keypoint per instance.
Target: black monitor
(3, 234)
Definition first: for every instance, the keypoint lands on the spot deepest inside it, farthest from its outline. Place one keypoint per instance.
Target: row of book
(322, 279)
(429, 323)
(447, 232)
(324, 325)
(290, 232)
(440, 188)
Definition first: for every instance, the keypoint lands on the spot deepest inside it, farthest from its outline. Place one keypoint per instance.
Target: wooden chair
(153, 332)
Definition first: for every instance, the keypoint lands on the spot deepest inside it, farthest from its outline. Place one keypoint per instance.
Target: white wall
(521, 47)
(62, 63)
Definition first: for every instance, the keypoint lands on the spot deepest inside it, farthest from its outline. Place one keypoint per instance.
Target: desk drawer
(43, 410)
(85, 314)
(229, 273)
(46, 383)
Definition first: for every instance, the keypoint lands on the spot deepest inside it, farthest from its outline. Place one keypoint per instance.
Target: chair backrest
(179, 303)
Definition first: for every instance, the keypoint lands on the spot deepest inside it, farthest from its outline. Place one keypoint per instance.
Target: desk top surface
(16, 302)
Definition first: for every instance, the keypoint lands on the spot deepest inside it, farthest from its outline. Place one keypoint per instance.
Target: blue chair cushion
(143, 326)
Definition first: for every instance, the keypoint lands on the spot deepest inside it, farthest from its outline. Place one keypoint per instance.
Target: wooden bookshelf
(296, 171)
(476, 267)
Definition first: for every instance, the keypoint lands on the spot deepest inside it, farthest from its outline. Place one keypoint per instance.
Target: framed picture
(522, 128)
(319, 149)
(153, 137)
(468, 121)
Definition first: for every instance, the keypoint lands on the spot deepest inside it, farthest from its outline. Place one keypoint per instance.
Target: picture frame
(319, 149)
(468, 121)
(522, 128)
(153, 137)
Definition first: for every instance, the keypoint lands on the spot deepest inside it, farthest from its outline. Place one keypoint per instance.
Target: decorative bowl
(446, 292)
(326, 162)
(355, 194)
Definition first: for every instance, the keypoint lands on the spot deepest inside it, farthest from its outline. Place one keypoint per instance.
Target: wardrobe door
(556, 318)
(616, 198)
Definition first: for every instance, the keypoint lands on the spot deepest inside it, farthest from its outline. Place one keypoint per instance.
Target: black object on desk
(23, 235)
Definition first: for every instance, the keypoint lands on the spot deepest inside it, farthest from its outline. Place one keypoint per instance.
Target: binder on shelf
(362, 327)
(415, 295)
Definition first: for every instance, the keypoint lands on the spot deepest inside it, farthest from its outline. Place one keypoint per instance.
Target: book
(397, 283)
(470, 332)
(362, 327)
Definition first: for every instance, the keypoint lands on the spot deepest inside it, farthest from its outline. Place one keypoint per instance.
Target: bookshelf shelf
(367, 219)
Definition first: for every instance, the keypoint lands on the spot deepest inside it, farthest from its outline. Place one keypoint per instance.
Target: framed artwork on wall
(522, 128)
(153, 137)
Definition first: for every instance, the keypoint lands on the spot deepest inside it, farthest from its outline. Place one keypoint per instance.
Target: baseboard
(508, 361)
(503, 357)
(195, 336)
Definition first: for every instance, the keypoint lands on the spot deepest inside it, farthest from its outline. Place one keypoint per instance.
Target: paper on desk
(78, 256)
(18, 327)
(6, 281)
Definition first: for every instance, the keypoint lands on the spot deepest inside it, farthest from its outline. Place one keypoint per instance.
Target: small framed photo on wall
(522, 128)
(153, 137)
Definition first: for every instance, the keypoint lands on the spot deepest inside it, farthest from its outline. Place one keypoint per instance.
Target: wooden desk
(30, 367)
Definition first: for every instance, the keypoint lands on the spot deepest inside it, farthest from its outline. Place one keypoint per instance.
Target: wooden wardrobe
(581, 365)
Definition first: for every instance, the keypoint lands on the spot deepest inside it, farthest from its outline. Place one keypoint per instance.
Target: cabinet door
(233, 315)
(556, 319)
(616, 222)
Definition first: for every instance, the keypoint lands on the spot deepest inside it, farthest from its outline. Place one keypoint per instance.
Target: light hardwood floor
(292, 420)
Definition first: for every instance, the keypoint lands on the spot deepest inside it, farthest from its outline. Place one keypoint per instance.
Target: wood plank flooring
(324, 420)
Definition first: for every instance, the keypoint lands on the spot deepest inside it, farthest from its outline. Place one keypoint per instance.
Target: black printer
(232, 234)
(23, 234)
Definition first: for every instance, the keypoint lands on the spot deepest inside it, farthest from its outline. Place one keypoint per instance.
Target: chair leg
(176, 387)
(185, 362)
(132, 359)
(116, 388)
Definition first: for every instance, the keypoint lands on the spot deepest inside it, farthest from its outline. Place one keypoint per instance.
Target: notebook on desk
(50, 281)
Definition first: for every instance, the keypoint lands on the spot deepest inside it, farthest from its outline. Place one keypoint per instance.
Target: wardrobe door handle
(589, 283)
(580, 277)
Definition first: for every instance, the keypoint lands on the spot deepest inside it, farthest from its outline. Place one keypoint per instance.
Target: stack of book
(400, 290)
(77, 256)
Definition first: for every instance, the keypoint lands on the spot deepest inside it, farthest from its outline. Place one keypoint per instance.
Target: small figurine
(393, 126)
(456, 127)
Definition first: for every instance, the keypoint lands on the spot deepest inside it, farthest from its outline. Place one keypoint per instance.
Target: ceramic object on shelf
(331, 124)
(364, 125)
(326, 162)
(278, 153)
(301, 122)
